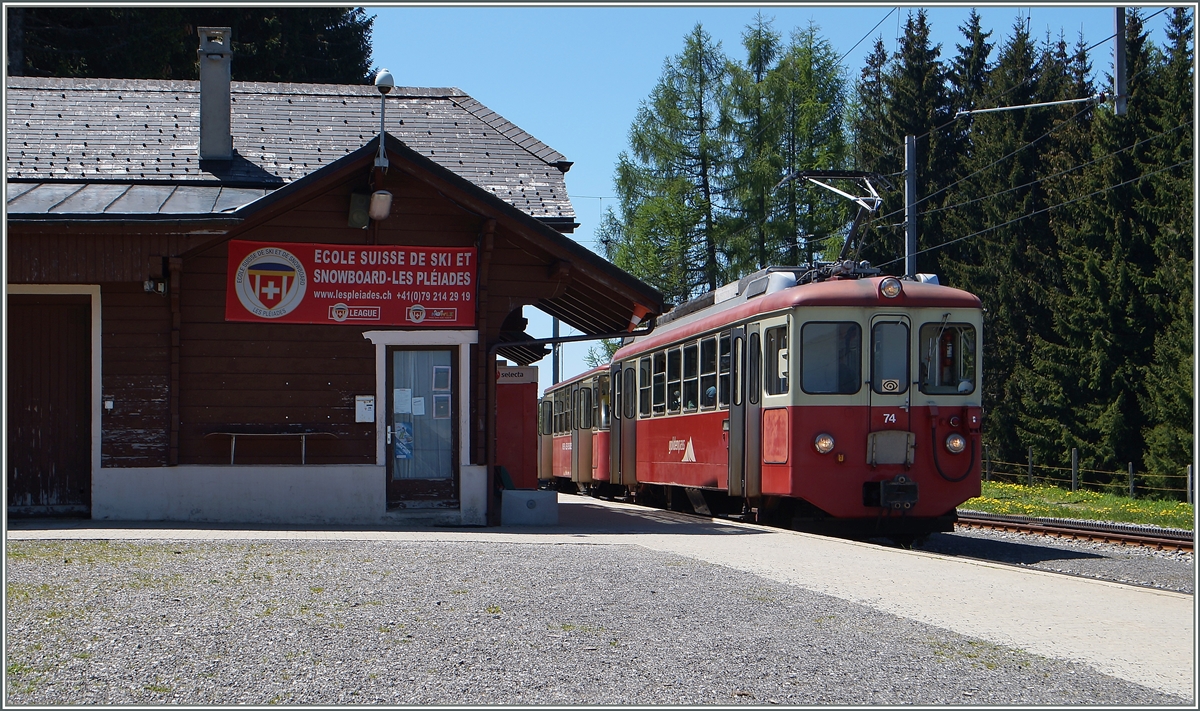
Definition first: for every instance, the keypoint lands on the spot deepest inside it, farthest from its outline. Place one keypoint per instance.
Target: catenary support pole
(1120, 101)
(554, 354)
(910, 207)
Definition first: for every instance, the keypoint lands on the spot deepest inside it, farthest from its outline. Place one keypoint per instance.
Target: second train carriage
(573, 427)
(851, 400)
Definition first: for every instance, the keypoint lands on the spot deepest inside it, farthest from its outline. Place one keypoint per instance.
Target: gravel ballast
(1132, 565)
(408, 622)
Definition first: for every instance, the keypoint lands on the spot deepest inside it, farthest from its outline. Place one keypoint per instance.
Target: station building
(243, 302)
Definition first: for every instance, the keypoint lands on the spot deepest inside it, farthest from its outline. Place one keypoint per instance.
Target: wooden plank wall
(135, 372)
(38, 256)
(277, 377)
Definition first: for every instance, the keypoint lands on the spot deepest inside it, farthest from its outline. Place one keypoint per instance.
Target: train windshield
(948, 358)
(831, 358)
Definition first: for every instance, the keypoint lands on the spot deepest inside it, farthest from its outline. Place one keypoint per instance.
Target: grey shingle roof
(84, 131)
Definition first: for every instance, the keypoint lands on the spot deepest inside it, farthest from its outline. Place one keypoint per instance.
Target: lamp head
(384, 81)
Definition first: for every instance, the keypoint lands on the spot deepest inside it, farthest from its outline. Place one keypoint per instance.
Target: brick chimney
(216, 56)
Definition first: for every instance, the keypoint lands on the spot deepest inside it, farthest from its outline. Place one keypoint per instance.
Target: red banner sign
(285, 282)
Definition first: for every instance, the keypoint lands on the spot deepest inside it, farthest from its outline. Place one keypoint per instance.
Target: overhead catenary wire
(1059, 173)
(1043, 210)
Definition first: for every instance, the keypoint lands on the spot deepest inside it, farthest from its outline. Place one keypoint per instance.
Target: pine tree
(808, 93)
(671, 185)
(1169, 396)
(1002, 248)
(295, 44)
(756, 168)
(916, 104)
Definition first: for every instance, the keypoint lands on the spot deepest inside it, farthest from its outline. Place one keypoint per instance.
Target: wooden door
(49, 404)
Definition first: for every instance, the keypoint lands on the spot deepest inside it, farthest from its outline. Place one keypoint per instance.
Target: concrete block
(473, 495)
(524, 507)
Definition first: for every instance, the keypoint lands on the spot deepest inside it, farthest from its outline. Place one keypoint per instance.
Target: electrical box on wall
(364, 408)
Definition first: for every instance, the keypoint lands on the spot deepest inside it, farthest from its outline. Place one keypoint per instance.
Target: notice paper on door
(418, 406)
(402, 401)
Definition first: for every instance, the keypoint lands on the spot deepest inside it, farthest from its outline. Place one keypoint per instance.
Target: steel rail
(1102, 531)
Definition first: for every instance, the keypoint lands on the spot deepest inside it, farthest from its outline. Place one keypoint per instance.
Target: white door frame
(463, 339)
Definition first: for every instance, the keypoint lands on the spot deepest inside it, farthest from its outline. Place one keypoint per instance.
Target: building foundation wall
(288, 495)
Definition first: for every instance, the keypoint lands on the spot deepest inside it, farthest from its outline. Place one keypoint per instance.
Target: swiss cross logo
(270, 282)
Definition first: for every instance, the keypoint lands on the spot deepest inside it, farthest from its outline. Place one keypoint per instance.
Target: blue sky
(574, 76)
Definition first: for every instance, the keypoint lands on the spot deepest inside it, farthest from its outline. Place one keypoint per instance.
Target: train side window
(603, 400)
(629, 406)
(691, 377)
(889, 357)
(547, 417)
(831, 358)
(723, 370)
(775, 364)
(585, 408)
(644, 381)
(708, 373)
(755, 384)
(559, 403)
(673, 380)
(660, 383)
(947, 353)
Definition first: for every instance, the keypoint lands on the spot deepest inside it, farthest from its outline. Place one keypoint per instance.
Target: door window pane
(755, 384)
(422, 420)
(831, 358)
(628, 392)
(585, 408)
(723, 366)
(889, 358)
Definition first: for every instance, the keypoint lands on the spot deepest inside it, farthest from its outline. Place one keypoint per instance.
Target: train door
(752, 396)
(581, 434)
(891, 439)
(630, 395)
(546, 439)
(735, 353)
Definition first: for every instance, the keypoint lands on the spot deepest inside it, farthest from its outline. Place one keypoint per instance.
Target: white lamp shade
(381, 205)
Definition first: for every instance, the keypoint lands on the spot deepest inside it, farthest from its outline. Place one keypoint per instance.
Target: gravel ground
(477, 623)
(1166, 570)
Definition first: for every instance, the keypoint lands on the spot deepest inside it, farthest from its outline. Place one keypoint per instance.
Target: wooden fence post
(1031, 466)
(987, 458)
(1074, 469)
(1191, 494)
(1132, 491)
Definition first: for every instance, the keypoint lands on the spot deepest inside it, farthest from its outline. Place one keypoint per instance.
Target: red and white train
(830, 399)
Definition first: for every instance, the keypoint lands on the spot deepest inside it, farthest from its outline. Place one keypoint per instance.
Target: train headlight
(890, 287)
(824, 443)
(956, 443)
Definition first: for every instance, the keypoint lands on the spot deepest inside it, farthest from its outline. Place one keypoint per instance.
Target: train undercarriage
(777, 511)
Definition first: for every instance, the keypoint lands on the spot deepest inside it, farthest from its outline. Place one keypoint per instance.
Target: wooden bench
(303, 435)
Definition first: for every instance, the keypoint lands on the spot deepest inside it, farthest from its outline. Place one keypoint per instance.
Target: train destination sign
(380, 285)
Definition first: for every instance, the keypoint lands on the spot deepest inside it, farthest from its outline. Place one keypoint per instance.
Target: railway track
(1170, 539)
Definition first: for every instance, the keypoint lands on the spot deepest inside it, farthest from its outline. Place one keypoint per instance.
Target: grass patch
(1053, 502)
